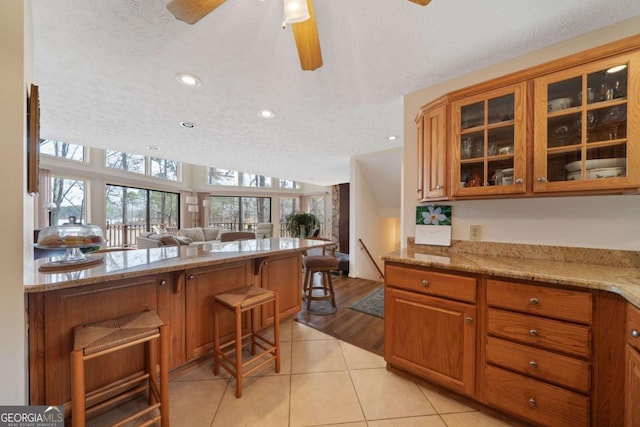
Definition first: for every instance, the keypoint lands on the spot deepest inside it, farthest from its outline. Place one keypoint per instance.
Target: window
(166, 169)
(238, 213)
(287, 183)
(130, 211)
(68, 195)
(125, 161)
(63, 150)
(316, 207)
(216, 176)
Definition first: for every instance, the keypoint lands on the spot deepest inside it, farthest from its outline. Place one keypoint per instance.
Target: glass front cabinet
(587, 125)
(488, 136)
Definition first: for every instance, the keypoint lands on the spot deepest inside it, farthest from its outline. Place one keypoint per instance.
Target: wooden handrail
(363, 246)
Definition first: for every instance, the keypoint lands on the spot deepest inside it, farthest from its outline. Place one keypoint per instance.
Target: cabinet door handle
(469, 319)
(635, 333)
(532, 402)
(425, 283)
(533, 332)
(418, 190)
(519, 181)
(533, 364)
(534, 300)
(191, 277)
(542, 179)
(438, 187)
(163, 282)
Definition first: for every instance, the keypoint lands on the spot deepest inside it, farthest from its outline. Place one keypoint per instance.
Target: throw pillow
(183, 240)
(168, 240)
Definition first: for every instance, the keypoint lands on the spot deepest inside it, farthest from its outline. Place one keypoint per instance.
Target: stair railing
(373, 261)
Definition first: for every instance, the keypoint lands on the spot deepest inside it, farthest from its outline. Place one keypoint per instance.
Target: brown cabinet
(539, 348)
(587, 127)
(54, 315)
(200, 286)
(283, 275)
(432, 152)
(432, 337)
(488, 137)
(632, 382)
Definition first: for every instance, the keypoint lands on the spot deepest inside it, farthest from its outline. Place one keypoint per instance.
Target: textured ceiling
(106, 71)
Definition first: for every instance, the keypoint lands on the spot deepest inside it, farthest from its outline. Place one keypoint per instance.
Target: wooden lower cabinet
(536, 401)
(283, 275)
(53, 316)
(632, 380)
(431, 337)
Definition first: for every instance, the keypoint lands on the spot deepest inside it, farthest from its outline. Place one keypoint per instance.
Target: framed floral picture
(433, 225)
(33, 140)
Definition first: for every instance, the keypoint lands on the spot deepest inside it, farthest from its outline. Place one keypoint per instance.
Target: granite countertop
(623, 280)
(140, 262)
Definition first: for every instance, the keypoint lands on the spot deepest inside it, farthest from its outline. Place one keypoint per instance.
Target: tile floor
(323, 381)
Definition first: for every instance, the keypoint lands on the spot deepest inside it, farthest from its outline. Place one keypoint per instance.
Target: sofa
(264, 230)
(156, 240)
(199, 235)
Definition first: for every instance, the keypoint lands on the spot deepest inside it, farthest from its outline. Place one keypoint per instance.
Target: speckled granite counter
(621, 275)
(135, 263)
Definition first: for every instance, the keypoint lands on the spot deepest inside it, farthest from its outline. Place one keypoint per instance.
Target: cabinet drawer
(633, 326)
(545, 365)
(451, 286)
(558, 303)
(545, 333)
(541, 403)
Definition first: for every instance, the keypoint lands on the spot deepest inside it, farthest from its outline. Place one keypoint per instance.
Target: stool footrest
(139, 414)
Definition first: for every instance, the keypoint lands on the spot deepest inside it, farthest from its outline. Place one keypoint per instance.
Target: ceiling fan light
(295, 11)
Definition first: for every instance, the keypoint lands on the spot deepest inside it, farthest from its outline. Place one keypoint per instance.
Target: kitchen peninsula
(176, 281)
(545, 334)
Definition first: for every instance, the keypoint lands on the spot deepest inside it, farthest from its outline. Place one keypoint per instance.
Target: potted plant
(300, 224)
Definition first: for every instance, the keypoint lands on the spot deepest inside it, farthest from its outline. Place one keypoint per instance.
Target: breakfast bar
(178, 282)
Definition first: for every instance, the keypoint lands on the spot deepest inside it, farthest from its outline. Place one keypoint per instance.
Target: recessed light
(392, 138)
(267, 114)
(152, 147)
(616, 68)
(188, 79)
(188, 124)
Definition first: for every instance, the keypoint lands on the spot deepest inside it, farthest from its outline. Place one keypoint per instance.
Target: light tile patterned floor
(323, 381)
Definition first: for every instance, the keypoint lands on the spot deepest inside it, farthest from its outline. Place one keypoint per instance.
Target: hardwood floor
(354, 327)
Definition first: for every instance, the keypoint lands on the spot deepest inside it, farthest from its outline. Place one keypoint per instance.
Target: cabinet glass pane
(472, 174)
(472, 115)
(501, 109)
(564, 130)
(564, 94)
(500, 141)
(608, 84)
(609, 123)
(557, 164)
(472, 146)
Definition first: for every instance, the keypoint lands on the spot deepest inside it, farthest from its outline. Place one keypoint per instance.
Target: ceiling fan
(305, 30)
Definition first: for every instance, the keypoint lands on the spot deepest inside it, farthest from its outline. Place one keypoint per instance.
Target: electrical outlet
(475, 232)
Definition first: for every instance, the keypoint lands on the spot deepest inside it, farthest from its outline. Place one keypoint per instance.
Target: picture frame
(33, 140)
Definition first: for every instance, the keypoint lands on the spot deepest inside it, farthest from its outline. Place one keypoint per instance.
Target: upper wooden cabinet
(488, 135)
(570, 126)
(587, 125)
(432, 152)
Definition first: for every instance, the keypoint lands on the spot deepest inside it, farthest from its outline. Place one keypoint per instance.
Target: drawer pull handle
(532, 402)
(635, 333)
(533, 332)
(533, 364)
(519, 181)
(191, 277)
(163, 282)
(425, 283)
(542, 179)
(469, 320)
(534, 301)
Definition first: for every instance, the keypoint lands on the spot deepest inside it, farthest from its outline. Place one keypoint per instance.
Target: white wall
(610, 222)
(16, 210)
(379, 233)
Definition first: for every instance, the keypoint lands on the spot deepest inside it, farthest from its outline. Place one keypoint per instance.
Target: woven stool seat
(241, 300)
(97, 339)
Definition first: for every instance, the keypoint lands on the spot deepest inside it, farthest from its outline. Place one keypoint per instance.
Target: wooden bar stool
(323, 264)
(239, 301)
(102, 338)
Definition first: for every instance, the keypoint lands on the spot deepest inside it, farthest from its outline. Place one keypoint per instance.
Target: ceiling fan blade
(421, 2)
(191, 11)
(307, 41)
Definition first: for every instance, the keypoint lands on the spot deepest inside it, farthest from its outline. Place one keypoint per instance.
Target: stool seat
(104, 337)
(318, 262)
(241, 300)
